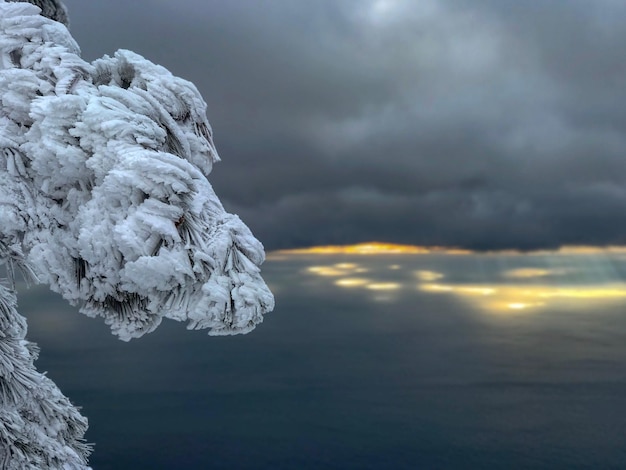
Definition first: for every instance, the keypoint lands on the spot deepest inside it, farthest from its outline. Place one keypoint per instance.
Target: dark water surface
(385, 363)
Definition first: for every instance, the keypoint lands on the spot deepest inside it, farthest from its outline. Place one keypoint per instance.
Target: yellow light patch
(383, 286)
(351, 282)
(326, 271)
(346, 266)
(521, 293)
(428, 276)
(520, 297)
(477, 290)
(586, 293)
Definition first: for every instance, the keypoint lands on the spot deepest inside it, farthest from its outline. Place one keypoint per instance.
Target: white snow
(104, 190)
(115, 156)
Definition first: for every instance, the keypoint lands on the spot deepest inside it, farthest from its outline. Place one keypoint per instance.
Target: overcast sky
(482, 124)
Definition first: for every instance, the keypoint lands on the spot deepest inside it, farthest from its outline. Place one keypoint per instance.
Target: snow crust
(104, 186)
(39, 427)
(104, 195)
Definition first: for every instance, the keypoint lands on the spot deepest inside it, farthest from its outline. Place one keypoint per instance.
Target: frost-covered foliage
(106, 186)
(52, 9)
(39, 427)
(104, 191)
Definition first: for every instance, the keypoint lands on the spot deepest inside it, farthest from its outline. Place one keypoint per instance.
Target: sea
(386, 361)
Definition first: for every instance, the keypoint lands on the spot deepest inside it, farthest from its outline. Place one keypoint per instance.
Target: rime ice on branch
(104, 191)
(108, 192)
(39, 427)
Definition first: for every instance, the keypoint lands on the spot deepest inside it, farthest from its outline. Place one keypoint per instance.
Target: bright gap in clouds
(571, 278)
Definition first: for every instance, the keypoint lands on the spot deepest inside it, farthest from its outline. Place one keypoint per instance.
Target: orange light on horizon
(507, 297)
(372, 248)
(382, 248)
(526, 288)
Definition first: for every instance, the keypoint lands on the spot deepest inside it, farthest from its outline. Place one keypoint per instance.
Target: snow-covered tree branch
(39, 427)
(104, 192)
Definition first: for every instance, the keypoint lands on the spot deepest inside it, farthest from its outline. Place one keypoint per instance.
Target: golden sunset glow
(500, 298)
(477, 290)
(373, 248)
(383, 286)
(462, 289)
(326, 271)
(428, 275)
(570, 278)
(381, 248)
(590, 250)
(523, 306)
(336, 270)
(352, 282)
(616, 291)
(349, 276)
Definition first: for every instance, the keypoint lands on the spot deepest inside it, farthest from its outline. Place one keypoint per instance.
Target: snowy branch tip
(104, 186)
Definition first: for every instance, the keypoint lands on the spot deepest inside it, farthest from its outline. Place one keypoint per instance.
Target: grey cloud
(490, 123)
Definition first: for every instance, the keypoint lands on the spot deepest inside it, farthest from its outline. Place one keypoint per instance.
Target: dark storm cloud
(483, 124)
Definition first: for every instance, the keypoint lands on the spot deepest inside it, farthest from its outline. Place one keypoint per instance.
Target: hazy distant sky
(476, 123)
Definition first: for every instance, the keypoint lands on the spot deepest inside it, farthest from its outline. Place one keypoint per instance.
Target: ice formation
(39, 427)
(105, 186)
(104, 189)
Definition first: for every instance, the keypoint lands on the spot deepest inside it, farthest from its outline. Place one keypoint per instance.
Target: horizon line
(384, 248)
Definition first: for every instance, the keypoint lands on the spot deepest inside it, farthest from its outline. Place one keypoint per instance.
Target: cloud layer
(484, 124)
